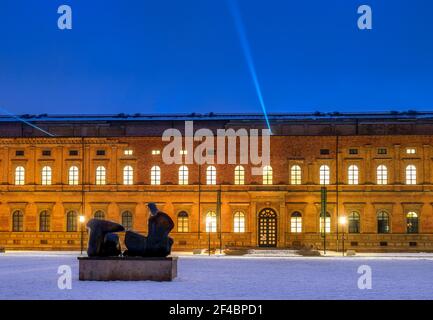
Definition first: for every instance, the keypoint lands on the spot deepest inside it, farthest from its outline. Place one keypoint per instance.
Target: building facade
(376, 168)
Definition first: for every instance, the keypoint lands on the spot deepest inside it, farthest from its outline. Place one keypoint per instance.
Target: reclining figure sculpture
(103, 242)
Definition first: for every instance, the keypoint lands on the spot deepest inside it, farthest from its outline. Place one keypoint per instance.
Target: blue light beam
(235, 12)
(26, 122)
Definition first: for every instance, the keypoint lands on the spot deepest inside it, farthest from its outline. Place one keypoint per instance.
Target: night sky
(171, 56)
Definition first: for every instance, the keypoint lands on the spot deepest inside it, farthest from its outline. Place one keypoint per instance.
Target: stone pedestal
(127, 269)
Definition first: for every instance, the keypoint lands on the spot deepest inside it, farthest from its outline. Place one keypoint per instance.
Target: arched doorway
(267, 228)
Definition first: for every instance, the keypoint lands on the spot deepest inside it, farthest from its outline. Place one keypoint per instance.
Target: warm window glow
(267, 175)
(412, 222)
(183, 175)
(296, 222)
(128, 152)
(324, 174)
(239, 175)
(239, 222)
(183, 152)
(100, 215)
(353, 174)
(353, 220)
(73, 176)
(156, 152)
(128, 175)
(182, 222)
(410, 151)
(410, 174)
(46, 176)
(382, 174)
(295, 175)
(100, 175)
(327, 223)
(211, 222)
(19, 176)
(211, 175)
(155, 175)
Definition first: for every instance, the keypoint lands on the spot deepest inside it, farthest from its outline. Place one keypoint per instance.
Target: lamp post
(82, 219)
(343, 222)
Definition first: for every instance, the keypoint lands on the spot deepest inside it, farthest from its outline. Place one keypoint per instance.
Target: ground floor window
(383, 222)
(325, 223)
(354, 222)
(127, 220)
(296, 222)
(17, 221)
(182, 222)
(71, 221)
(239, 222)
(211, 222)
(412, 222)
(44, 221)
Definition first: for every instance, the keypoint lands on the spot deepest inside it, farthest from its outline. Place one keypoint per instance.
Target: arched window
(353, 221)
(382, 174)
(19, 175)
(296, 222)
(46, 176)
(295, 175)
(127, 220)
(211, 175)
(211, 222)
(17, 221)
(100, 175)
(155, 175)
(411, 174)
(100, 215)
(128, 175)
(353, 174)
(44, 221)
(71, 221)
(239, 222)
(383, 222)
(324, 174)
(182, 222)
(267, 175)
(183, 175)
(239, 175)
(73, 175)
(412, 222)
(325, 225)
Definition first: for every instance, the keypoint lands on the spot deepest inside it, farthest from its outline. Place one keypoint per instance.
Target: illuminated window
(73, 175)
(100, 215)
(411, 174)
(71, 221)
(17, 221)
(100, 175)
(410, 150)
(183, 175)
(46, 176)
(155, 175)
(353, 221)
(324, 174)
(239, 222)
(353, 174)
(128, 175)
(128, 152)
(267, 175)
(327, 222)
(156, 152)
(183, 152)
(44, 221)
(296, 222)
(382, 174)
(412, 222)
(182, 222)
(295, 175)
(211, 222)
(127, 220)
(19, 176)
(239, 175)
(382, 222)
(211, 175)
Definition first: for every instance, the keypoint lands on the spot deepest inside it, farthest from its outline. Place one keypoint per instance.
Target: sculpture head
(152, 207)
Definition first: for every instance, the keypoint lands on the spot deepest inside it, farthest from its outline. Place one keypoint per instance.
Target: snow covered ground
(33, 275)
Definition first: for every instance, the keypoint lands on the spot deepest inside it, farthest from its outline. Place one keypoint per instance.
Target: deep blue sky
(153, 56)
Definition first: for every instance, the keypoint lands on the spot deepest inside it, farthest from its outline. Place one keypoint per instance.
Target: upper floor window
(183, 175)
(73, 175)
(19, 152)
(44, 221)
(71, 221)
(100, 175)
(324, 151)
(353, 221)
(127, 220)
(267, 175)
(410, 150)
(46, 176)
(156, 152)
(73, 152)
(128, 175)
(19, 175)
(211, 175)
(353, 174)
(353, 151)
(382, 174)
(211, 222)
(383, 222)
(239, 175)
(412, 222)
(100, 152)
(17, 221)
(411, 174)
(155, 175)
(128, 152)
(296, 222)
(182, 222)
(324, 174)
(295, 175)
(99, 214)
(46, 152)
(382, 151)
(239, 222)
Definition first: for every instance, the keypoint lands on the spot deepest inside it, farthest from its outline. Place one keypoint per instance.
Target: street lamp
(82, 219)
(343, 222)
